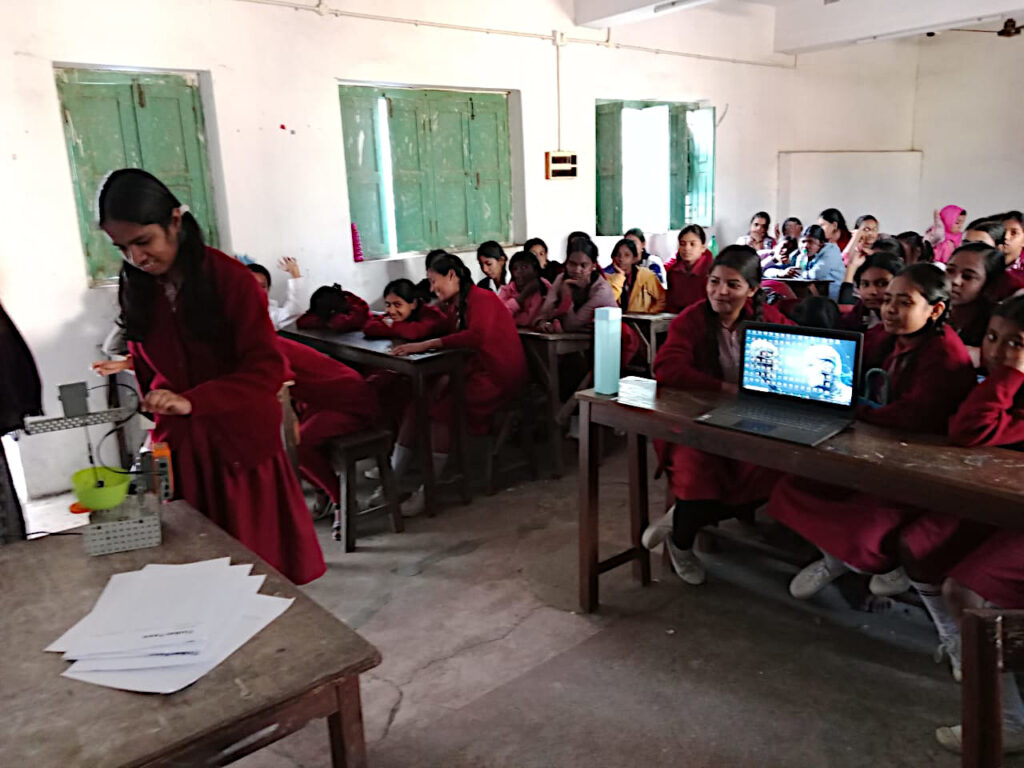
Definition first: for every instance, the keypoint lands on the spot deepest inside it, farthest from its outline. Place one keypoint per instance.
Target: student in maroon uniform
(207, 359)
(335, 309)
(406, 316)
(974, 269)
(524, 296)
(993, 574)
(871, 275)
(702, 352)
(688, 274)
(927, 373)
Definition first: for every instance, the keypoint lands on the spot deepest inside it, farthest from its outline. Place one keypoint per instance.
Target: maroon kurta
(228, 456)
(869, 532)
(497, 369)
(688, 285)
(331, 400)
(429, 323)
(683, 362)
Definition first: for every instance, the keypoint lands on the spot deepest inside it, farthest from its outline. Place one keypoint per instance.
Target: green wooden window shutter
(679, 165)
(700, 200)
(132, 120)
(609, 168)
(359, 121)
(452, 171)
(490, 193)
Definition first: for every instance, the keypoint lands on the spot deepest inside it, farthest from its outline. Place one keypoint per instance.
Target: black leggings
(688, 517)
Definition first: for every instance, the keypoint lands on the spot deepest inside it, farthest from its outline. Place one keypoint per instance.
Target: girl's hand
(111, 367)
(792, 272)
(289, 265)
(163, 402)
(388, 321)
(546, 326)
(414, 348)
(776, 231)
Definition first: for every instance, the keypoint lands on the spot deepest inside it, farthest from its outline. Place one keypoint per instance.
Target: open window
(655, 165)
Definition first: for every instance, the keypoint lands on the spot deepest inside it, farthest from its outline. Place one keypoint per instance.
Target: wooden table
(543, 351)
(355, 348)
(986, 484)
(304, 665)
(649, 326)
(804, 288)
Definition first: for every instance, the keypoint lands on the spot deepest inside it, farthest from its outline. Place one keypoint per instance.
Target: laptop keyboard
(773, 414)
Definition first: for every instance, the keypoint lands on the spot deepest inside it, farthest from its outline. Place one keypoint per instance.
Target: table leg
(348, 745)
(981, 706)
(458, 429)
(652, 347)
(554, 407)
(638, 504)
(424, 444)
(589, 524)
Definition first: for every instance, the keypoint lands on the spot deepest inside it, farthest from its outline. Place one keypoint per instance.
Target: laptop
(797, 384)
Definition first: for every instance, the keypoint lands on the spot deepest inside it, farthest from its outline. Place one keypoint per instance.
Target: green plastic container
(109, 495)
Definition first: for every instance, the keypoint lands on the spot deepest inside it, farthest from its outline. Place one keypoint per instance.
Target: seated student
(549, 269)
(525, 295)
(782, 257)
(702, 352)
(648, 260)
(865, 233)
(946, 231)
(492, 260)
(791, 227)
(816, 312)
(1013, 247)
(688, 274)
(973, 270)
(406, 315)
(927, 373)
(336, 309)
(820, 260)
(330, 400)
(636, 288)
(494, 373)
(576, 294)
(757, 237)
(871, 274)
(833, 224)
(294, 305)
(916, 249)
(991, 232)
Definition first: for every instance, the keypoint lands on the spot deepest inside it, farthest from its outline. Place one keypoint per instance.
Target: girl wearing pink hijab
(947, 232)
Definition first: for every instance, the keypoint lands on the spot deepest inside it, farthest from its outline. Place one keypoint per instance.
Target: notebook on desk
(796, 384)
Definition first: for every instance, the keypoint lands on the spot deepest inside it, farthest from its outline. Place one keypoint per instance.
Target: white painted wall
(968, 121)
(284, 193)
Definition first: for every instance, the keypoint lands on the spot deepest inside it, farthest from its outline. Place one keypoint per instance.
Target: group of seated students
(940, 314)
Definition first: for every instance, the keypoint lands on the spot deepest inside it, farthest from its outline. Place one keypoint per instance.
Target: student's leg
(315, 431)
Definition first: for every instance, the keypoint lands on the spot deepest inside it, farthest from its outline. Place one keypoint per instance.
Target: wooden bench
(345, 452)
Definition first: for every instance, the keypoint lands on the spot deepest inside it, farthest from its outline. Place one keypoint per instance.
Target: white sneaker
(950, 649)
(686, 564)
(952, 738)
(812, 579)
(656, 532)
(415, 504)
(888, 584)
(373, 473)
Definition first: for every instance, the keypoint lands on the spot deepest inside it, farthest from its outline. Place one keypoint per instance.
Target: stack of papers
(160, 629)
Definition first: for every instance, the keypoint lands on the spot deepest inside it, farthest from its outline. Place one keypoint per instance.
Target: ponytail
(447, 263)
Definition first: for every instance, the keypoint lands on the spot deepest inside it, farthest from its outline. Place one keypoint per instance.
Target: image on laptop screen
(808, 367)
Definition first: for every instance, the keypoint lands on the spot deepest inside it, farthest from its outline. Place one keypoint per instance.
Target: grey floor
(488, 663)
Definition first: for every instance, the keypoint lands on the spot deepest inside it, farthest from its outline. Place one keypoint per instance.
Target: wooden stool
(518, 414)
(345, 452)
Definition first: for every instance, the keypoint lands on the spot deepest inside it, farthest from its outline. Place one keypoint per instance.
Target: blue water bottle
(607, 350)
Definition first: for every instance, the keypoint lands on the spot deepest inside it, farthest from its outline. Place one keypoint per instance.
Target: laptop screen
(805, 364)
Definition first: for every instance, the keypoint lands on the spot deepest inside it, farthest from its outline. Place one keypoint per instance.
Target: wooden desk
(993, 643)
(649, 326)
(986, 484)
(304, 665)
(354, 347)
(543, 351)
(804, 288)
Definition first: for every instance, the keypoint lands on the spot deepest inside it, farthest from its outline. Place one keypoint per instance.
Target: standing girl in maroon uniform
(928, 374)
(702, 352)
(205, 354)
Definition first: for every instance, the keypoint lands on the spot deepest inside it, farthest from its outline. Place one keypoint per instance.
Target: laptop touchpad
(749, 425)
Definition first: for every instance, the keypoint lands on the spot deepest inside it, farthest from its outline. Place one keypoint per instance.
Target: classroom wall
(968, 121)
(284, 192)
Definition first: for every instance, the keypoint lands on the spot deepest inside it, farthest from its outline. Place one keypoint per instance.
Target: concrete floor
(487, 662)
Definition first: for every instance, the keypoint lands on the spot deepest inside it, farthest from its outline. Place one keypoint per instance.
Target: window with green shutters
(426, 168)
(133, 120)
(691, 164)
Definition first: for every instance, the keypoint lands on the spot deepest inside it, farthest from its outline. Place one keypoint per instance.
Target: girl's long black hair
(447, 263)
(135, 196)
(835, 216)
(744, 260)
(918, 244)
(406, 290)
(932, 283)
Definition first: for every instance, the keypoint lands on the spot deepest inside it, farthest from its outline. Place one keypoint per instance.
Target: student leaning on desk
(206, 357)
